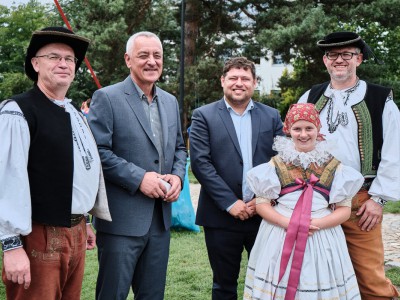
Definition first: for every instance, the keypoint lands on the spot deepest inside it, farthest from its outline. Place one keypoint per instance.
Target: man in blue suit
(228, 138)
(137, 129)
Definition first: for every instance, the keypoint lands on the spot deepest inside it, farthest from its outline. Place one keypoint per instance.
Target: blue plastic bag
(183, 216)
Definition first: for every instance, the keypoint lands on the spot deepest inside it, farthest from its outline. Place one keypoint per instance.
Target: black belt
(76, 219)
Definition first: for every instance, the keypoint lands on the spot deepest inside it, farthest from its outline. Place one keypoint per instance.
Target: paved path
(391, 239)
(390, 231)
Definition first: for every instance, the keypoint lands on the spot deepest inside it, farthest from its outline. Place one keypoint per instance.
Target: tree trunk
(192, 20)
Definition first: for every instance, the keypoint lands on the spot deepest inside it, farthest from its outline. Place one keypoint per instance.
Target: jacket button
(156, 161)
(241, 163)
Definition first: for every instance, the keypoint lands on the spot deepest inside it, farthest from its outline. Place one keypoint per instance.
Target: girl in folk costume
(303, 195)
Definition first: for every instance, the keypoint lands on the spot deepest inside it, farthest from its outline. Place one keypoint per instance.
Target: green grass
(392, 207)
(189, 274)
(192, 179)
(394, 275)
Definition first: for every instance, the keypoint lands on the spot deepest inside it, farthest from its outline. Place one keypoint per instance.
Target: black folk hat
(51, 35)
(346, 39)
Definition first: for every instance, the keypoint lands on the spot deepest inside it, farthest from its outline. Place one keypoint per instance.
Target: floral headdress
(301, 111)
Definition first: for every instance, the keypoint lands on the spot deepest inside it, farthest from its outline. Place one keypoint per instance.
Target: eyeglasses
(69, 60)
(343, 55)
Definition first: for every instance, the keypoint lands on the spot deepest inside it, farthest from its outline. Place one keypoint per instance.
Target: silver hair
(131, 40)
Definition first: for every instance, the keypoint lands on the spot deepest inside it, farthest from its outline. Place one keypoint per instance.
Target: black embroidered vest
(50, 164)
(368, 114)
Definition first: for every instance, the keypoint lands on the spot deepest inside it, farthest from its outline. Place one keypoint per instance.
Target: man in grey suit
(228, 138)
(137, 129)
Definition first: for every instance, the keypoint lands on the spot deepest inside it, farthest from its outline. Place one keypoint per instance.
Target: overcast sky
(16, 2)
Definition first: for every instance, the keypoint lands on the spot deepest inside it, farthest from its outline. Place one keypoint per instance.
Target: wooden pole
(63, 16)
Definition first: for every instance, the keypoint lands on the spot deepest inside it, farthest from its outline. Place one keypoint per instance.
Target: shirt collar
(249, 107)
(357, 92)
(142, 95)
(61, 103)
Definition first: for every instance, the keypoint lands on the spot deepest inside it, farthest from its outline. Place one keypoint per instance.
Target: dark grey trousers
(137, 262)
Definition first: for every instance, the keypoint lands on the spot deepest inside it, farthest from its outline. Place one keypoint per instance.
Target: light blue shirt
(242, 124)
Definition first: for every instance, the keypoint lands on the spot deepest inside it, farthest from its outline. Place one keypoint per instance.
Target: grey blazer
(127, 151)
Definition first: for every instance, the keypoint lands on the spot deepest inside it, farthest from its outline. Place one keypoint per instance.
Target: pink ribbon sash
(297, 232)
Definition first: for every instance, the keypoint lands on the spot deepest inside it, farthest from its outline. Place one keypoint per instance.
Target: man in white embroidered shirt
(362, 122)
(50, 175)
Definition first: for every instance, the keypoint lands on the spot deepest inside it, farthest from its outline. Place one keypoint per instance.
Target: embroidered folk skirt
(326, 273)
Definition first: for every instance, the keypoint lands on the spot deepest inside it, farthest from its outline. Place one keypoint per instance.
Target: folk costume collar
(288, 153)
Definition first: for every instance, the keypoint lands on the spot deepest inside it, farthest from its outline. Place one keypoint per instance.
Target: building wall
(269, 71)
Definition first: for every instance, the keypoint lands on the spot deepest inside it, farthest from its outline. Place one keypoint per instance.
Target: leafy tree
(13, 84)
(16, 27)
(211, 35)
(214, 31)
(109, 24)
(294, 35)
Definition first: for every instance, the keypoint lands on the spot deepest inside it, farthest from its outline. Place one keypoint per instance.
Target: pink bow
(297, 232)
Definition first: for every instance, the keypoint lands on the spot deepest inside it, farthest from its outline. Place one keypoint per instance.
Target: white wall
(270, 72)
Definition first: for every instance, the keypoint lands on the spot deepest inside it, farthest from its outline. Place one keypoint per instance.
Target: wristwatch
(379, 200)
